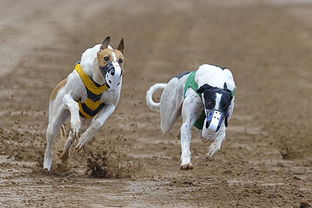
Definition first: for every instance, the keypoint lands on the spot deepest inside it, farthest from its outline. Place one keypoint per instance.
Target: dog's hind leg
(63, 132)
(65, 154)
(51, 133)
(53, 129)
(70, 140)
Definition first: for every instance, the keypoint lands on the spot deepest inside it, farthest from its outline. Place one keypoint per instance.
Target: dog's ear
(121, 46)
(105, 43)
(203, 88)
(225, 86)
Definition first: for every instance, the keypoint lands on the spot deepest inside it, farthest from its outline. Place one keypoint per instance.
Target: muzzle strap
(108, 67)
(112, 74)
(214, 120)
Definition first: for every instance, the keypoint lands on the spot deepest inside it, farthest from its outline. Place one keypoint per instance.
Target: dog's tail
(149, 95)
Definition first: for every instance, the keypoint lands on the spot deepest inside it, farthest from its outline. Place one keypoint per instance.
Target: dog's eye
(120, 61)
(106, 58)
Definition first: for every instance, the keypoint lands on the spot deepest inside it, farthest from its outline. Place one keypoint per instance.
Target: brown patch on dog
(59, 86)
(105, 56)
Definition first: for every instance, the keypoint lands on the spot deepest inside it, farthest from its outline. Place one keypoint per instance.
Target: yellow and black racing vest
(92, 105)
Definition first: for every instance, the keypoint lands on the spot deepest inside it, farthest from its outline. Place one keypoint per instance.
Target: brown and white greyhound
(89, 96)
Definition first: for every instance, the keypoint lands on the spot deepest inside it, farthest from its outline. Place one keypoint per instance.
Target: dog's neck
(90, 64)
(97, 77)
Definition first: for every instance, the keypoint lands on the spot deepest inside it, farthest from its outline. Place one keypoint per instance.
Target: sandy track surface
(266, 159)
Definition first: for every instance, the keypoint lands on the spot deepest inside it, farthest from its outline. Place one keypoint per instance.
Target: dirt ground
(266, 160)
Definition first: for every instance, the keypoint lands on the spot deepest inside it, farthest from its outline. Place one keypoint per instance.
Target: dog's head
(111, 63)
(217, 102)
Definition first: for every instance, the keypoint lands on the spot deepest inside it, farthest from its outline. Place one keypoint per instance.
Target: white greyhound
(205, 98)
(89, 95)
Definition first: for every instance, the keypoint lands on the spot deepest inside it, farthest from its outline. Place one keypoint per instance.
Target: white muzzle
(113, 74)
(212, 124)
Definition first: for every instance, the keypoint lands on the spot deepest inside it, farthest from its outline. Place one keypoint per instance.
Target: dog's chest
(90, 102)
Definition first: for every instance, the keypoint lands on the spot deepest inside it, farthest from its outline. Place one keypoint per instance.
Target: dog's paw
(79, 146)
(187, 166)
(75, 128)
(47, 165)
(64, 156)
(204, 140)
(75, 133)
(214, 147)
(211, 153)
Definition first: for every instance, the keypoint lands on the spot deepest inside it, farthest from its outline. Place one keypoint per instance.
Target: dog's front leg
(95, 125)
(75, 122)
(216, 144)
(185, 145)
(189, 115)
